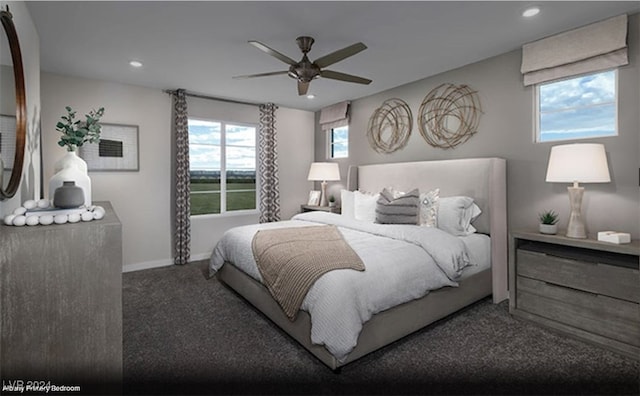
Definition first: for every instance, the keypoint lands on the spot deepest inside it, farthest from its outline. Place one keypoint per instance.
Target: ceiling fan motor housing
(304, 70)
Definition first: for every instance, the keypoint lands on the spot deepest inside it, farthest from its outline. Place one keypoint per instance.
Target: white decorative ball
(74, 217)
(98, 214)
(60, 219)
(8, 219)
(30, 204)
(43, 203)
(20, 211)
(19, 220)
(46, 219)
(33, 220)
(86, 216)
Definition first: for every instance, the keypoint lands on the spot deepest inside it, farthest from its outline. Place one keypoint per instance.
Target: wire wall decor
(390, 126)
(449, 115)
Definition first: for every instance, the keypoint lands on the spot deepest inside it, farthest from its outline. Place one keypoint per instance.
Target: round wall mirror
(13, 109)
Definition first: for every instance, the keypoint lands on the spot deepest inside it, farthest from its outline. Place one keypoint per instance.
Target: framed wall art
(117, 150)
(7, 140)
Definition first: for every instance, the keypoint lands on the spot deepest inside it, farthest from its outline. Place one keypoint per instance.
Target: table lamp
(323, 171)
(577, 163)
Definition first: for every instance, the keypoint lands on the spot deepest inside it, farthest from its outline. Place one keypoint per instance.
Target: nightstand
(584, 288)
(310, 208)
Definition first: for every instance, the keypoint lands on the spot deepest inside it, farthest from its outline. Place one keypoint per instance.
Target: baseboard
(161, 263)
(147, 265)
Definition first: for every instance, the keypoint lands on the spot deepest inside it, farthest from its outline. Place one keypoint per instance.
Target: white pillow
(428, 211)
(455, 215)
(346, 203)
(364, 206)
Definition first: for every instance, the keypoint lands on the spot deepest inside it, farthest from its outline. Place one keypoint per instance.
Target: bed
(484, 179)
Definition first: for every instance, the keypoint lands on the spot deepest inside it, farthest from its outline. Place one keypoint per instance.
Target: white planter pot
(550, 229)
(71, 168)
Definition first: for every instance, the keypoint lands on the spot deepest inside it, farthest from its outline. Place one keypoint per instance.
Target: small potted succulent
(548, 222)
(332, 201)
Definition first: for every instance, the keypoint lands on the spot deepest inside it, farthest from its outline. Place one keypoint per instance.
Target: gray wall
(30, 48)
(142, 199)
(506, 130)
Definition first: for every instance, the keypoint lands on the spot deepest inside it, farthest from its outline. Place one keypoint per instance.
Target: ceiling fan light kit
(304, 71)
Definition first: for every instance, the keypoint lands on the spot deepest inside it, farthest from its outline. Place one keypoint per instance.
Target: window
(222, 159)
(577, 108)
(339, 142)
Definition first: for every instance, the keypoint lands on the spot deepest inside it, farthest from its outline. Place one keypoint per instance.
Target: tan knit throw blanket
(290, 260)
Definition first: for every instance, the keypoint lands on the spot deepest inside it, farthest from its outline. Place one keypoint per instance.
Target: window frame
(223, 169)
(331, 142)
(537, 113)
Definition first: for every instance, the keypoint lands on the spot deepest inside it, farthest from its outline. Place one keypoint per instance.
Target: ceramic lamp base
(576, 227)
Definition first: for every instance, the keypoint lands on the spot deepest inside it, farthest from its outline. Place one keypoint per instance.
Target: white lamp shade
(581, 162)
(324, 171)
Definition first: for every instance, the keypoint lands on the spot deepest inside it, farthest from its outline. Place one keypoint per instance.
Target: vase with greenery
(75, 133)
(548, 222)
(332, 201)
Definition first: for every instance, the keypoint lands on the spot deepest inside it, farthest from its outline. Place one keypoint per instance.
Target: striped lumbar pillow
(400, 210)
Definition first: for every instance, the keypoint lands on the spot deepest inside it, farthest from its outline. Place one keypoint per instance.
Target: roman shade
(334, 116)
(599, 46)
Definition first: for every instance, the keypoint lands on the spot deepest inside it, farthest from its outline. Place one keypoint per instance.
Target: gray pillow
(400, 210)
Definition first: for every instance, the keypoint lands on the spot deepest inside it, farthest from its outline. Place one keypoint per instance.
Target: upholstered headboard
(483, 179)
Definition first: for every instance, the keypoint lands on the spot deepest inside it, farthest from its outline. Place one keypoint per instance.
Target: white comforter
(402, 263)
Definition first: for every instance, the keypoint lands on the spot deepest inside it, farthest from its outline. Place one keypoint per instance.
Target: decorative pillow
(400, 210)
(364, 206)
(347, 203)
(455, 215)
(428, 212)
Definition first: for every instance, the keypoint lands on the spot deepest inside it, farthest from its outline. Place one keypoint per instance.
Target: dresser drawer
(606, 316)
(607, 280)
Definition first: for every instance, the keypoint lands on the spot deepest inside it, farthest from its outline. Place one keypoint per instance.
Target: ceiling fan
(304, 71)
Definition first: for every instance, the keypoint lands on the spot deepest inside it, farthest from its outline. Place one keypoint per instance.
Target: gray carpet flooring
(186, 334)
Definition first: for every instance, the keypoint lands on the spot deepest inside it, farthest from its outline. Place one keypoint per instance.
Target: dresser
(61, 304)
(581, 287)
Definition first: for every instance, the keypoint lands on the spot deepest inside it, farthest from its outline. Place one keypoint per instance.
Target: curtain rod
(202, 96)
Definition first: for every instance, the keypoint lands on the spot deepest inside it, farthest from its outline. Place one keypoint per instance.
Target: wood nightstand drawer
(583, 288)
(621, 282)
(600, 315)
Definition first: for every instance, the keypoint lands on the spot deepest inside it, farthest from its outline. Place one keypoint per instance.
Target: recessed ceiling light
(531, 11)
(135, 63)
(311, 96)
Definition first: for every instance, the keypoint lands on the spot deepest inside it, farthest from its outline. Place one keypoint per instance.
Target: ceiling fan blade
(303, 87)
(272, 52)
(339, 55)
(260, 75)
(344, 77)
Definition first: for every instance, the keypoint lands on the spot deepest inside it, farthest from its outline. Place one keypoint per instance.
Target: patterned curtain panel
(182, 188)
(268, 165)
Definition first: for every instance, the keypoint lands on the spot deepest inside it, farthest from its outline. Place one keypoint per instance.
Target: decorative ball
(74, 217)
(20, 211)
(8, 219)
(46, 219)
(86, 216)
(19, 220)
(33, 220)
(30, 204)
(60, 219)
(43, 203)
(98, 212)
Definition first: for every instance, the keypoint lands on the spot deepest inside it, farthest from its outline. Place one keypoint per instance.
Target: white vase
(71, 168)
(70, 158)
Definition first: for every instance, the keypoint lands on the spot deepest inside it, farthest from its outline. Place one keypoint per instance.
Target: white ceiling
(199, 46)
